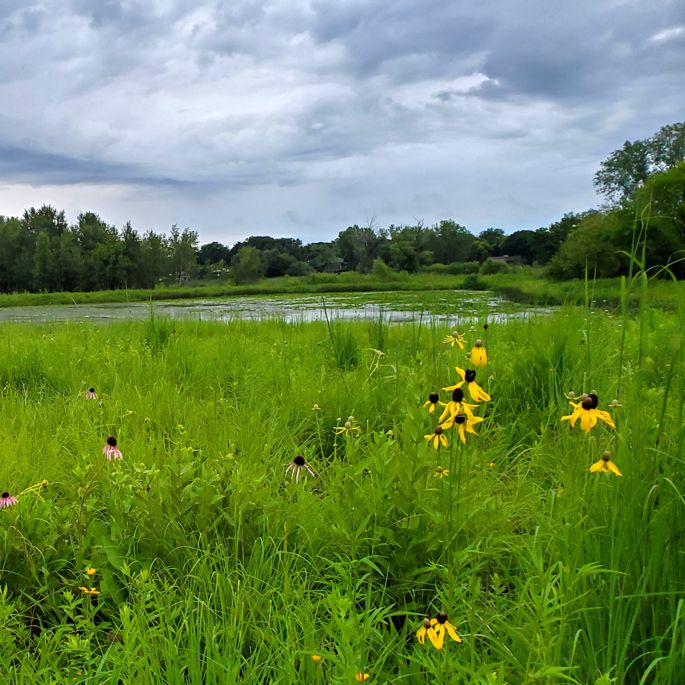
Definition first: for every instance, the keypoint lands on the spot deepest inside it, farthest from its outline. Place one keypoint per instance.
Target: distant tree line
(644, 184)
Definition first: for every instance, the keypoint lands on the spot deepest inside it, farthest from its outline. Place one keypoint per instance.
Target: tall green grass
(214, 567)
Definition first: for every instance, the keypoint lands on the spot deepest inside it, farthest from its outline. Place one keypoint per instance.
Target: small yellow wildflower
(350, 427)
(89, 590)
(90, 572)
(316, 658)
(586, 410)
(454, 338)
(431, 402)
(428, 628)
(441, 472)
(435, 629)
(605, 465)
(361, 677)
(457, 405)
(464, 424)
(468, 376)
(438, 437)
(479, 357)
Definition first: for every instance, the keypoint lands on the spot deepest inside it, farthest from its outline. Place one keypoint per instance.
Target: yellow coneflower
(438, 437)
(316, 658)
(468, 376)
(479, 357)
(89, 590)
(586, 410)
(361, 677)
(90, 572)
(454, 338)
(605, 465)
(441, 472)
(432, 402)
(350, 427)
(464, 424)
(428, 629)
(457, 405)
(435, 629)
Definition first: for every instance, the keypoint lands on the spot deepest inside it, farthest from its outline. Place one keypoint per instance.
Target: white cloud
(674, 33)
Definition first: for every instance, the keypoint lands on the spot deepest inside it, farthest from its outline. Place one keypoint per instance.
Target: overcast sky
(301, 117)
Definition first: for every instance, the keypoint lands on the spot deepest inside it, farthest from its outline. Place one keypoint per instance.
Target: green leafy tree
(130, 257)
(47, 219)
(323, 257)
(627, 169)
(492, 238)
(10, 246)
(357, 247)
(660, 206)
(450, 242)
(247, 266)
(277, 263)
(68, 261)
(183, 252)
(154, 260)
(42, 259)
(213, 253)
(593, 246)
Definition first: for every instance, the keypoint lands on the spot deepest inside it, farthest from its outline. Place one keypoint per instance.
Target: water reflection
(457, 305)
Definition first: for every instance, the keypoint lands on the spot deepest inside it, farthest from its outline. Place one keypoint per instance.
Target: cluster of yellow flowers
(90, 589)
(586, 413)
(456, 413)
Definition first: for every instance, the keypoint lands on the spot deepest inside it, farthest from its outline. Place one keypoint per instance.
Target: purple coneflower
(91, 395)
(296, 466)
(7, 500)
(110, 450)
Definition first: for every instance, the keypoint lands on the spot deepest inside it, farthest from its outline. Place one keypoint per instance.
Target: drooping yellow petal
(462, 435)
(477, 393)
(588, 419)
(439, 636)
(421, 635)
(597, 467)
(446, 412)
(606, 417)
(613, 468)
(433, 637)
(452, 632)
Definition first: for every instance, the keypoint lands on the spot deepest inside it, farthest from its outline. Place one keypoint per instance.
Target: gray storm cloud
(299, 118)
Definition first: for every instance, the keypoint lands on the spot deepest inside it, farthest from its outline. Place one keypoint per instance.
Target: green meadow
(219, 560)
